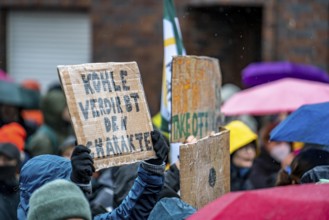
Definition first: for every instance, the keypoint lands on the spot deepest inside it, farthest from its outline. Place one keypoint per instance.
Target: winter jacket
(9, 198)
(172, 183)
(137, 205)
(239, 177)
(263, 172)
(109, 184)
(142, 197)
(35, 173)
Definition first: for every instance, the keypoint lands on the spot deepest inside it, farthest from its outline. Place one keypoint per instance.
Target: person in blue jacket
(137, 205)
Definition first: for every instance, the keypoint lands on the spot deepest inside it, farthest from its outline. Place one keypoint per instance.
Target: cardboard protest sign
(109, 112)
(205, 169)
(196, 99)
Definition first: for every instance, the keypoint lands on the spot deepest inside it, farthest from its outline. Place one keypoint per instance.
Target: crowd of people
(44, 174)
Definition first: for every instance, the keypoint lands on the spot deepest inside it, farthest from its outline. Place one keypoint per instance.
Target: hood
(171, 208)
(240, 135)
(52, 106)
(316, 174)
(35, 173)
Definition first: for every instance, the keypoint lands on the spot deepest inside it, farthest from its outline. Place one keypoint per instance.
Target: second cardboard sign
(196, 99)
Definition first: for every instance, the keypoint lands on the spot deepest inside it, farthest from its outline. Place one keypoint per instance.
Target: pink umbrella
(284, 95)
(308, 201)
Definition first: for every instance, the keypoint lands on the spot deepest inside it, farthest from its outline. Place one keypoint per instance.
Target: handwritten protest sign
(196, 83)
(109, 112)
(205, 169)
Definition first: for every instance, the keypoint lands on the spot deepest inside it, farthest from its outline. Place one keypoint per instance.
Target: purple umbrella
(263, 72)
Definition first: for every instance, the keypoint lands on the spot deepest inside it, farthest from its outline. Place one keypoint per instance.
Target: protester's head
(9, 113)
(303, 162)
(38, 171)
(10, 102)
(55, 86)
(242, 144)
(9, 163)
(13, 133)
(59, 199)
(278, 150)
(31, 84)
(228, 90)
(55, 111)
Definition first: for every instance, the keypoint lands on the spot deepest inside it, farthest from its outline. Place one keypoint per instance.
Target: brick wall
(295, 30)
(131, 31)
(303, 32)
(230, 33)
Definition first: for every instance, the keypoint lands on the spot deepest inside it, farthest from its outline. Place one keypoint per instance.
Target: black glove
(82, 165)
(160, 147)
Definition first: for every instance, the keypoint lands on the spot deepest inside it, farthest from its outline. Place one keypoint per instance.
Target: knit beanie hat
(240, 135)
(59, 199)
(13, 133)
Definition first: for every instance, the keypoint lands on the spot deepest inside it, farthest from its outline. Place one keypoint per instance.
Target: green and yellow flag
(173, 45)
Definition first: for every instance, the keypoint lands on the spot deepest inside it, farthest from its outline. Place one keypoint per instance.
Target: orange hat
(31, 84)
(13, 133)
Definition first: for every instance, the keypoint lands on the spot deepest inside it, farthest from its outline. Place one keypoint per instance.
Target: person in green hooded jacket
(56, 127)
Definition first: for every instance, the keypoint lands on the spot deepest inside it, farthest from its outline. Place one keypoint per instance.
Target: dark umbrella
(263, 72)
(308, 124)
(13, 94)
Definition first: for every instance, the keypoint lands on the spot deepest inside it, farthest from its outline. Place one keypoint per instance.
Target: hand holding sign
(160, 147)
(82, 165)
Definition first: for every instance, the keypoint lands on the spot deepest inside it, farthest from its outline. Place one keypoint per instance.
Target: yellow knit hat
(240, 135)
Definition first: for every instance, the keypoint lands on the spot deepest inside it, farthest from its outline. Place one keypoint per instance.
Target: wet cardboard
(109, 112)
(196, 98)
(205, 169)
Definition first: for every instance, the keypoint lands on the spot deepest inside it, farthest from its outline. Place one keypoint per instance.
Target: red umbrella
(309, 201)
(284, 95)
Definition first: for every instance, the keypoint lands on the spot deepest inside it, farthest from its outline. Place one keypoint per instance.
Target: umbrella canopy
(307, 201)
(308, 124)
(284, 95)
(263, 72)
(13, 94)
